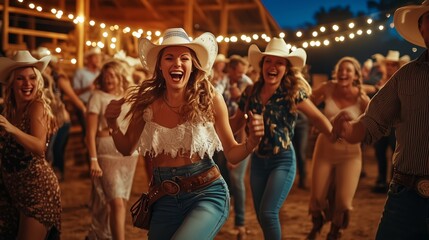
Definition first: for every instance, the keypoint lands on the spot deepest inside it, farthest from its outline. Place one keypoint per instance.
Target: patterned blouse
(279, 122)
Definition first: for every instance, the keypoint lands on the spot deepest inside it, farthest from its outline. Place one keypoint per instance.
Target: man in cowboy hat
(403, 102)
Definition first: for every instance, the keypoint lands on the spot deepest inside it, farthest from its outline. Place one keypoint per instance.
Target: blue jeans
(235, 181)
(195, 215)
(405, 215)
(271, 180)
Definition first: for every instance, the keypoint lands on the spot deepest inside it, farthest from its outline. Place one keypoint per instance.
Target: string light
(248, 38)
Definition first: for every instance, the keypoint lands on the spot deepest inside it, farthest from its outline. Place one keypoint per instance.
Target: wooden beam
(267, 16)
(38, 33)
(30, 12)
(5, 33)
(80, 31)
(204, 17)
(151, 9)
(188, 23)
(223, 47)
(262, 13)
(210, 7)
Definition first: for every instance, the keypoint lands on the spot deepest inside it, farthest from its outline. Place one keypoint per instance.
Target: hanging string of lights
(323, 35)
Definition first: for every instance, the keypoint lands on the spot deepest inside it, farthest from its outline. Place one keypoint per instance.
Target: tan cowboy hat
(221, 58)
(277, 47)
(43, 51)
(21, 59)
(406, 22)
(93, 51)
(392, 56)
(204, 46)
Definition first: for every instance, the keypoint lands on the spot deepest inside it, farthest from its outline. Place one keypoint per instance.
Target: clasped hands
(341, 126)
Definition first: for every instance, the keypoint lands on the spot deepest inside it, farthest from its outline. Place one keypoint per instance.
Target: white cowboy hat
(406, 22)
(204, 46)
(42, 52)
(93, 51)
(21, 59)
(277, 47)
(392, 56)
(221, 58)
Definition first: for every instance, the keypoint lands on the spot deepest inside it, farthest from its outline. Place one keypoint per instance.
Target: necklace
(172, 108)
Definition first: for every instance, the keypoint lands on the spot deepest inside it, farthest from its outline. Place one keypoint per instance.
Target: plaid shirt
(403, 103)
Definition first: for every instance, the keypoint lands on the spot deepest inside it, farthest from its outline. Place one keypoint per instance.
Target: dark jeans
(60, 143)
(300, 140)
(405, 215)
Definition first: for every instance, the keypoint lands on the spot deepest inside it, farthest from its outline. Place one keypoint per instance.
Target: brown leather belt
(419, 183)
(179, 184)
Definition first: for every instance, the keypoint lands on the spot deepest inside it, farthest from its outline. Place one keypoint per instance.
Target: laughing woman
(178, 121)
(25, 125)
(337, 165)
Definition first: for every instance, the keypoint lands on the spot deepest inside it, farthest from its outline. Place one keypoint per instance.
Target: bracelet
(95, 159)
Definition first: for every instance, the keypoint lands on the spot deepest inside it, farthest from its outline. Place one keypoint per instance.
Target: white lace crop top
(198, 138)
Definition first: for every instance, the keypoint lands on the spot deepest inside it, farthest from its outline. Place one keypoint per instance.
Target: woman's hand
(95, 169)
(8, 127)
(255, 125)
(113, 111)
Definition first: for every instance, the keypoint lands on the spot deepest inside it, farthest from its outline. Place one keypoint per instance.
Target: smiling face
(273, 68)
(346, 74)
(110, 82)
(24, 84)
(176, 66)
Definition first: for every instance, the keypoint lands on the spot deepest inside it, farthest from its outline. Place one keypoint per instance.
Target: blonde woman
(337, 165)
(178, 121)
(112, 173)
(25, 126)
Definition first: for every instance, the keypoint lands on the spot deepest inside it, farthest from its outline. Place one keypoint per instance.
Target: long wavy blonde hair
(199, 93)
(10, 104)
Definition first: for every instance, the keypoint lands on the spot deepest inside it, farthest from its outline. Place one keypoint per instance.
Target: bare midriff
(165, 160)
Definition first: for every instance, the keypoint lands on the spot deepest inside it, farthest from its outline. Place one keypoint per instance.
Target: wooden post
(188, 21)
(223, 46)
(80, 32)
(5, 34)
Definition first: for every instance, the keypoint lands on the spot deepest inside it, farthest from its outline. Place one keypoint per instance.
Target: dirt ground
(294, 216)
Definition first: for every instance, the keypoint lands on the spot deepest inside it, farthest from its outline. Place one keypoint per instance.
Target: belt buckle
(170, 187)
(423, 187)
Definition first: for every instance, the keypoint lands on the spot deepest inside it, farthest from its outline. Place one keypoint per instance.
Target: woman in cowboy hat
(336, 165)
(178, 121)
(277, 95)
(25, 126)
(401, 103)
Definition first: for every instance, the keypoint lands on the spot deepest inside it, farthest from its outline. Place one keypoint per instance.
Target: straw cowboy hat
(406, 22)
(21, 59)
(204, 46)
(392, 56)
(221, 58)
(277, 47)
(42, 52)
(93, 51)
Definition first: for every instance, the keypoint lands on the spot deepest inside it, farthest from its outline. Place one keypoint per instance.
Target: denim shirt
(279, 121)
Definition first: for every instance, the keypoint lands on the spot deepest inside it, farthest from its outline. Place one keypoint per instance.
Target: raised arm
(125, 143)
(317, 118)
(234, 151)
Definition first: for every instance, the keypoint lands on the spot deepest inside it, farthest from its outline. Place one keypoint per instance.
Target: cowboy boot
(334, 233)
(318, 221)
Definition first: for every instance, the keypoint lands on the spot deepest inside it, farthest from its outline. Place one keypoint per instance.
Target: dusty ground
(294, 218)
